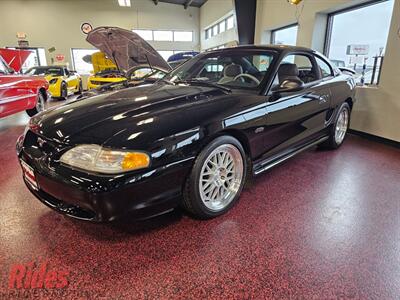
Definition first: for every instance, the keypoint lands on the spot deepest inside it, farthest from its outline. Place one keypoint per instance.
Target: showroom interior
(305, 217)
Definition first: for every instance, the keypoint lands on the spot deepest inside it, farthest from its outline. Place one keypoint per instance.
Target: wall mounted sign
(357, 50)
(60, 57)
(86, 28)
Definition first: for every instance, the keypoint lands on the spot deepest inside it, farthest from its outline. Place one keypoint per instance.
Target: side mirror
(347, 70)
(288, 86)
(11, 70)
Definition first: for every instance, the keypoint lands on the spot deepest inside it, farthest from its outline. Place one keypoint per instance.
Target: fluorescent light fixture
(124, 3)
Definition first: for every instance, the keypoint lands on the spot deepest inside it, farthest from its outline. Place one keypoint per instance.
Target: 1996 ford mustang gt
(190, 139)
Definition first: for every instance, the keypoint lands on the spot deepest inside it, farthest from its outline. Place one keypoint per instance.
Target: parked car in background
(62, 82)
(104, 71)
(138, 75)
(15, 58)
(21, 92)
(179, 58)
(138, 62)
(189, 139)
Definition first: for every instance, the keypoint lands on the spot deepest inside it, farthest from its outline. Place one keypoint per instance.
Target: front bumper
(102, 198)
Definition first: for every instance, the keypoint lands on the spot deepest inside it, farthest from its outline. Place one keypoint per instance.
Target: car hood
(101, 62)
(99, 118)
(15, 58)
(126, 48)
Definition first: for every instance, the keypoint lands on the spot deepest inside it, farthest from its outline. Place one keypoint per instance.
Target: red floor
(324, 225)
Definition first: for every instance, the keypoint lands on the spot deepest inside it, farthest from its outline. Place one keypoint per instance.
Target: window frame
(73, 59)
(331, 16)
(157, 31)
(274, 31)
(327, 62)
(181, 31)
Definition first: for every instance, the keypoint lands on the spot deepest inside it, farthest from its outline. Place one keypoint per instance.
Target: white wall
(211, 13)
(57, 23)
(377, 110)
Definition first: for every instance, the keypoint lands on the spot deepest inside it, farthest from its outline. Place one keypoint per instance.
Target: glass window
(285, 36)
(166, 53)
(80, 63)
(57, 71)
(326, 70)
(304, 65)
(183, 36)
(244, 69)
(358, 37)
(230, 22)
(222, 26)
(163, 35)
(145, 34)
(215, 29)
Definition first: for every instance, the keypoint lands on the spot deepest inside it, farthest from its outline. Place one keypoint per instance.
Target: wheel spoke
(221, 177)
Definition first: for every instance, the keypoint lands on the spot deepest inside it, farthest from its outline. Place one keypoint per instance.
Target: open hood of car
(101, 62)
(125, 48)
(15, 58)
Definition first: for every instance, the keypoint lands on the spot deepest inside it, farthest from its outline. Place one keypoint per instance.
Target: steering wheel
(247, 76)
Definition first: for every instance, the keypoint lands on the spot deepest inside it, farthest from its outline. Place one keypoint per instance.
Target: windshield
(45, 71)
(233, 69)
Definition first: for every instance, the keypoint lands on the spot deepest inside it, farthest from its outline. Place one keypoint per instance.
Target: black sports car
(190, 139)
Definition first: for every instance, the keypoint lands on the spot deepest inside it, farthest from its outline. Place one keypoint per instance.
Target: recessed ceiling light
(124, 3)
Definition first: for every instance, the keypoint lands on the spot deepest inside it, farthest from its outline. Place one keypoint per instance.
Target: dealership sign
(357, 50)
(60, 57)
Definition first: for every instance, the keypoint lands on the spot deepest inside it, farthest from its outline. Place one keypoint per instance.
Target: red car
(20, 92)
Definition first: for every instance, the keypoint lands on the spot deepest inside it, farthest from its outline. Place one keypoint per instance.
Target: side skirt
(276, 160)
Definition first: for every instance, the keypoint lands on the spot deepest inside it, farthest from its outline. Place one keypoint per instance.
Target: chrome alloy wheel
(341, 126)
(40, 103)
(221, 177)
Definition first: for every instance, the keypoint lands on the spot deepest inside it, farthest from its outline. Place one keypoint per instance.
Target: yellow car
(105, 71)
(62, 82)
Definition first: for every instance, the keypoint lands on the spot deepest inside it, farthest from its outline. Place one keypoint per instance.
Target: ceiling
(184, 3)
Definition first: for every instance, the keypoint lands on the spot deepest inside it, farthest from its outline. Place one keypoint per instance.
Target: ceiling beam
(187, 3)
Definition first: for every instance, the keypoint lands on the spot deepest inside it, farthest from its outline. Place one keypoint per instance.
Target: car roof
(276, 48)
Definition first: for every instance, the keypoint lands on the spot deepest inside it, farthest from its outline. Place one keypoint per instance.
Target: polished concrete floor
(324, 225)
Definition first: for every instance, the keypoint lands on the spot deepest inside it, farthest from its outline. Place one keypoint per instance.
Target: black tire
(40, 105)
(192, 200)
(64, 91)
(332, 142)
(80, 88)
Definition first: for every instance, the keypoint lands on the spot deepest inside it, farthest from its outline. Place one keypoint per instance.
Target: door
(71, 80)
(299, 117)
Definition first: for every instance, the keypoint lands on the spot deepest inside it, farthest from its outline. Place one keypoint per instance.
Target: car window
(235, 69)
(304, 65)
(326, 70)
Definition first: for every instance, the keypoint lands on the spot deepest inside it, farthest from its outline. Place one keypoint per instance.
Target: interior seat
(288, 71)
(230, 72)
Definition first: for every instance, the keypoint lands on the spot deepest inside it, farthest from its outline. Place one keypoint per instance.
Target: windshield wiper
(204, 83)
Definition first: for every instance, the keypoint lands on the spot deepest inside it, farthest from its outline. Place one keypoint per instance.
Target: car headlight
(53, 81)
(102, 160)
